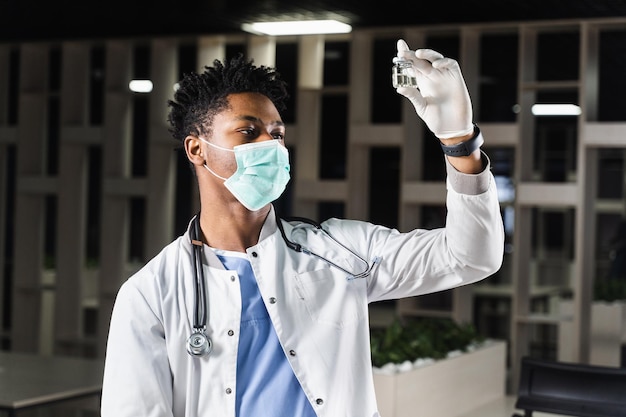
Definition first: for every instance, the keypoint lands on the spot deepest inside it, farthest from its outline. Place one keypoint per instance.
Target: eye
(278, 135)
(251, 132)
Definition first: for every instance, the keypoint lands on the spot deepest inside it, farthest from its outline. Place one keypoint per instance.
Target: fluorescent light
(555, 110)
(297, 27)
(140, 86)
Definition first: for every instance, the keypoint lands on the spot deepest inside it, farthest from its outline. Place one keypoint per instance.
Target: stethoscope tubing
(299, 248)
(198, 343)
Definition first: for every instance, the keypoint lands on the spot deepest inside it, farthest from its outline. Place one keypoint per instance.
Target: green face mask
(262, 172)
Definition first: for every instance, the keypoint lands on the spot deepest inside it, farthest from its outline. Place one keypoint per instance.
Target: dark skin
(225, 222)
(471, 164)
(251, 117)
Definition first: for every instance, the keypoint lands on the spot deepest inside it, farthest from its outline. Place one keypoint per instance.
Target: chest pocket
(332, 299)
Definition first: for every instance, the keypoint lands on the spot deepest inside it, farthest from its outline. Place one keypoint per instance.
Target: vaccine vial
(400, 75)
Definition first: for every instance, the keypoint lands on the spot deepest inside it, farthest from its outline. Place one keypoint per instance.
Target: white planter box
(447, 388)
(608, 333)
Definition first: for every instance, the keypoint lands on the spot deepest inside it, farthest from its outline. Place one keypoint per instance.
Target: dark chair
(570, 389)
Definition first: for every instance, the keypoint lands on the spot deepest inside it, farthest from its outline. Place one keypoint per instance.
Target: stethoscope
(199, 343)
(302, 222)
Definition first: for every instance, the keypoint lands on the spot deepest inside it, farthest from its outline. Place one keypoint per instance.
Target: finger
(402, 46)
(446, 63)
(428, 54)
(414, 95)
(422, 65)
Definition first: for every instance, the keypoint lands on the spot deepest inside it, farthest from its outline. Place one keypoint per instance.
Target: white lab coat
(320, 317)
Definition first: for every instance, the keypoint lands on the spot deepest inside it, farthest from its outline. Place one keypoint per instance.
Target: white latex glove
(442, 99)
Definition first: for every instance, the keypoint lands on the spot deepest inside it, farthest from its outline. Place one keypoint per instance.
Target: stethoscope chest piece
(199, 344)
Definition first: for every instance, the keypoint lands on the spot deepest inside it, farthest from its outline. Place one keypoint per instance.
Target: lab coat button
(272, 300)
(230, 332)
(292, 352)
(319, 401)
(232, 278)
(229, 391)
(254, 254)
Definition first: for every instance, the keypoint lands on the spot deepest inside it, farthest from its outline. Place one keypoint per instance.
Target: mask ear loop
(218, 147)
(213, 172)
(214, 145)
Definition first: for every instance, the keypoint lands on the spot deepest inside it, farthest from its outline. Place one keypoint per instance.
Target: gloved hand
(441, 99)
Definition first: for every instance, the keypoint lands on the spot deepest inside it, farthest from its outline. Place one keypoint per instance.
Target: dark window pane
(234, 49)
(330, 209)
(432, 158)
(334, 137)
(14, 82)
(137, 234)
(96, 85)
(498, 78)
(612, 76)
(94, 202)
(384, 183)
(141, 62)
(611, 173)
(336, 63)
(140, 135)
(52, 135)
(553, 233)
(287, 66)
(558, 56)
(54, 70)
(188, 59)
(386, 106)
(556, 148)
(446, 45)
(50, 231)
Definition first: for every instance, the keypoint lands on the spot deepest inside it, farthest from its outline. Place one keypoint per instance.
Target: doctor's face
(250, 117)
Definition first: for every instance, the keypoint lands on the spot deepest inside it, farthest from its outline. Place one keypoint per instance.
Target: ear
(194, 151)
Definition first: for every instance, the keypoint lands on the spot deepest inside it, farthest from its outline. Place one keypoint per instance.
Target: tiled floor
(504, 407)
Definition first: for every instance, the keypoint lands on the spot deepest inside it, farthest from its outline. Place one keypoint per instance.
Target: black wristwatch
(465, 148)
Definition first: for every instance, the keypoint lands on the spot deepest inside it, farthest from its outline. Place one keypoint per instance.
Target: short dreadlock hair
(200, 97)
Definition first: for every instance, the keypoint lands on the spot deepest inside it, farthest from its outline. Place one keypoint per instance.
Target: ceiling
(29, 20)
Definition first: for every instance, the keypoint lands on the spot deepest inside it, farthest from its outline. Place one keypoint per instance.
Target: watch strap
(465, 148)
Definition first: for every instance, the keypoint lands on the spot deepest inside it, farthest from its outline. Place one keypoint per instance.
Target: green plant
(412, 339)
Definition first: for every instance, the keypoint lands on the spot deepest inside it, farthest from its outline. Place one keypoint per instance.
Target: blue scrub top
(266, 384)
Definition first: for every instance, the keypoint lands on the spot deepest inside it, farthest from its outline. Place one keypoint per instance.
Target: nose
(270, 134)
(266, 135)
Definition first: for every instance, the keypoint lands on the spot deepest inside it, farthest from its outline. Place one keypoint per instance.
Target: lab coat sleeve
(469, 248)
(137, 379)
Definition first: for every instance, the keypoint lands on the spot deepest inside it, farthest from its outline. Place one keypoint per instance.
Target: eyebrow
(257, 120)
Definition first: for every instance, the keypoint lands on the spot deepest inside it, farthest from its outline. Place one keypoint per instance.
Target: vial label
(400, 74)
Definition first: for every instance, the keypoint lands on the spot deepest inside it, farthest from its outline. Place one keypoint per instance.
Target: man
(285, 306)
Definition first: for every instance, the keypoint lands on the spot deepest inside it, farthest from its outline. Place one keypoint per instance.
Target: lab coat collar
(268, 229)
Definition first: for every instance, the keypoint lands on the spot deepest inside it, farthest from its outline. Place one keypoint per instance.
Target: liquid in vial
(401, 73)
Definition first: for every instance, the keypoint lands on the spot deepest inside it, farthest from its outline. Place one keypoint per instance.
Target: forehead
(251, 104)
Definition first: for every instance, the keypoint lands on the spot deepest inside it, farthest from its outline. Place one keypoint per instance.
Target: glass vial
(401, 73)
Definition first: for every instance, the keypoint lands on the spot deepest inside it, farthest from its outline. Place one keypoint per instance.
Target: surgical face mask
(262, 172)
